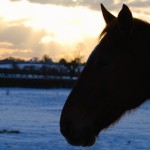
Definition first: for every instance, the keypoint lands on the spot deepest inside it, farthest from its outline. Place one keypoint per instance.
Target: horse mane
(110, 26)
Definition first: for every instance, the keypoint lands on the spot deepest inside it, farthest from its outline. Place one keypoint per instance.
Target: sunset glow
(33, 29)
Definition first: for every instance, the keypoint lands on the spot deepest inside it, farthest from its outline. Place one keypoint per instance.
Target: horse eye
(102, 64)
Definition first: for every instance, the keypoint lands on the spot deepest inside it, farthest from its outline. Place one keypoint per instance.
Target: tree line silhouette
(41, 68)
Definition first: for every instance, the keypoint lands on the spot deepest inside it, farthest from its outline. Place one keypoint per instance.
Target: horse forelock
(136, 23)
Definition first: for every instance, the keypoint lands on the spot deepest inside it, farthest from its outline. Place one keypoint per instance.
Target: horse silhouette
(115, 79)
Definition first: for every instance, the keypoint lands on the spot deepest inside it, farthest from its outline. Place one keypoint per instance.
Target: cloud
(19, 39)
(14, 0)
(138, 7)
(94, 4)
(6, 44)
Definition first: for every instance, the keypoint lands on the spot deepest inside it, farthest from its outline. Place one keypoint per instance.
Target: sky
(57, 28)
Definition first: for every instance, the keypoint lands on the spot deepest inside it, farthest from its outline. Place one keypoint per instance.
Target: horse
(114, 81)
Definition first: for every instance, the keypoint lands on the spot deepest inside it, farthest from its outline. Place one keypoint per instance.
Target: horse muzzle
(82, 137)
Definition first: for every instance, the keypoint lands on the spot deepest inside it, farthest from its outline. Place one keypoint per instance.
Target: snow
(35, 113)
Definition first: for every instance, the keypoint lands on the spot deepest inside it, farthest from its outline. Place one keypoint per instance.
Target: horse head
(114, 80)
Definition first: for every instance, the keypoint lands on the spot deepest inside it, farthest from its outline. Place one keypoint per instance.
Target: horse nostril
(89, 138)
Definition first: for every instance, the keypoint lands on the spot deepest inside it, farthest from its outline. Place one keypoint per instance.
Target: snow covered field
(35, 113)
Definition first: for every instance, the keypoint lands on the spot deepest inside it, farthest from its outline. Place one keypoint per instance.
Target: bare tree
(35, 59)
(73, 64)
(47, 59)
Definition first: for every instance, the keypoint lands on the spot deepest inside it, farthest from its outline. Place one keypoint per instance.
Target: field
(35, 113)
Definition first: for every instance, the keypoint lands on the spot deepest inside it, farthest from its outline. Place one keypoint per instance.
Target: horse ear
(125, 19)
(108, 17)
